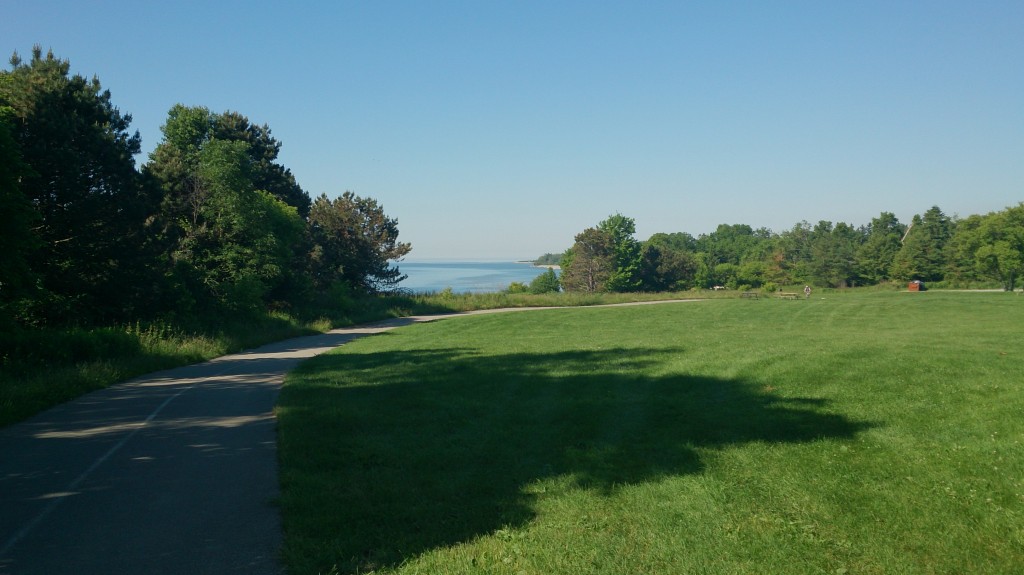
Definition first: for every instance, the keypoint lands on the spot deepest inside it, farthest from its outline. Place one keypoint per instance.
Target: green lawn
(854, 433)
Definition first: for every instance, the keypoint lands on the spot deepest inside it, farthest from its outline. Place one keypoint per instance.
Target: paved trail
(175, 472)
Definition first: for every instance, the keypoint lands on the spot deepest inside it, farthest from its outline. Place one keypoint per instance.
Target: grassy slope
(863, 433)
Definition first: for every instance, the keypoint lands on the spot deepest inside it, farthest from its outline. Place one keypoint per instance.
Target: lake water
(465, 277)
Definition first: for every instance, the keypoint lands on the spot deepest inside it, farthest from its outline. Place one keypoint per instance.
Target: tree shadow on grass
(389, 455)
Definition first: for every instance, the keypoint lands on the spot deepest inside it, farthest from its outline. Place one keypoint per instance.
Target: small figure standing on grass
(807, 292)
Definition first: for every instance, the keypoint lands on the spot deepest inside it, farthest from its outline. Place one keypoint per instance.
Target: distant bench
(789, 295)
(749, 294)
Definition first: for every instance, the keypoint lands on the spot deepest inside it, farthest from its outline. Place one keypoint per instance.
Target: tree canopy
(211, 225)
(77, 171)
(933, 248)
(354, 242)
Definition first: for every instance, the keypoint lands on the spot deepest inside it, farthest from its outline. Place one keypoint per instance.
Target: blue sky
(499, 130)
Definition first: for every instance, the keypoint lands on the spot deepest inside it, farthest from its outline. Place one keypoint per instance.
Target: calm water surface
(466, 277)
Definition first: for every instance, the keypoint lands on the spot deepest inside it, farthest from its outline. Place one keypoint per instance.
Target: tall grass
(40, 368)
(850, 433)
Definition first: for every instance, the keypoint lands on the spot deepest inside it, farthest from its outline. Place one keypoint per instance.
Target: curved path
(174, 472)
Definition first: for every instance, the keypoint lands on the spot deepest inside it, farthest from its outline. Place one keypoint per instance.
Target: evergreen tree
(266, 173)
(16, 236)
(874, 258)
(832, 249)
(354, 242)
(922, 255)
(961, 266)
(81, 180)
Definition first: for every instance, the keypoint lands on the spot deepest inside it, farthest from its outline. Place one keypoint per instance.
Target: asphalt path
(174, 472)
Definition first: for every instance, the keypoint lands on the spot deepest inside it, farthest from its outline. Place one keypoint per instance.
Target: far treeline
(211, 227)
(933, 248)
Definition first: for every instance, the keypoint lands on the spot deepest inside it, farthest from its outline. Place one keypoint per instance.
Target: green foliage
(730, 243)
(833, 249)
(752, 272)
(625, 275)
(79, 176)
(605, 258)
(263, 149)
(874, 258)
(546, 282)
(42, 367)
(238, 242)
(355, 241)
(666, 265)
(922, 256)
(517, 287)
(548, 260)
(725, 274)
(677, 241)
(839, 255)
(20, 243)
(590, 263)
(1000, 240)
(212, 228)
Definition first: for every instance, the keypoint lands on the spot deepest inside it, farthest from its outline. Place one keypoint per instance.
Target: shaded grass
(860, 433)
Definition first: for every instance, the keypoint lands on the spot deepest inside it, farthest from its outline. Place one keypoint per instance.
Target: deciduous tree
(1000, 254)
(590, 262)
(666, 265)
(233, 245)
(625, 274)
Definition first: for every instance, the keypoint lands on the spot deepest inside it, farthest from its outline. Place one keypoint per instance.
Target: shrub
(546, 282)
(517, 287)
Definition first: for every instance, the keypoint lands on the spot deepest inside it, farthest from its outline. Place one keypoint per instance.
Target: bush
(546, 282)
(517, 287)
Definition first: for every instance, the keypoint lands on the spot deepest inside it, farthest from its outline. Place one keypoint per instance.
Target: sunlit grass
(859, 433)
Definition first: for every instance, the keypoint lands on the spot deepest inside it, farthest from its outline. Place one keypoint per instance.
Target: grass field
(859, 433)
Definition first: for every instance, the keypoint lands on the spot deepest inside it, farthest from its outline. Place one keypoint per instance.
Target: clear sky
(500, 129)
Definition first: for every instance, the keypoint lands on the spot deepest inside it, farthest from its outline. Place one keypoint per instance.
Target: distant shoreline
(536, 265)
